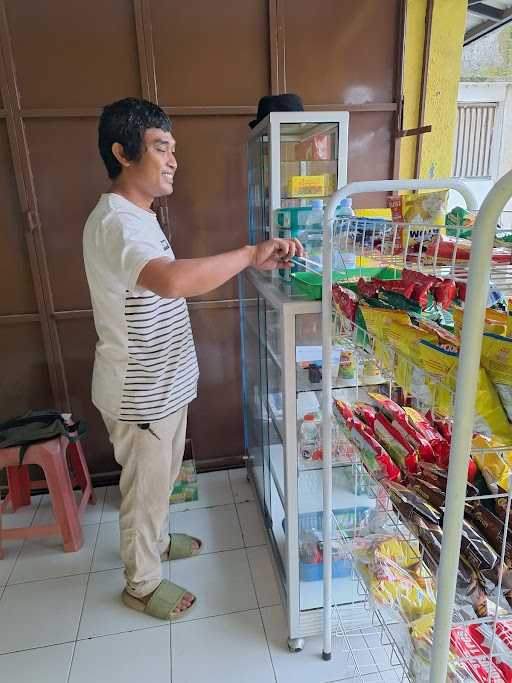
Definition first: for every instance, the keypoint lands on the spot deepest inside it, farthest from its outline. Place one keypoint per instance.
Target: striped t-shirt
(145, 366)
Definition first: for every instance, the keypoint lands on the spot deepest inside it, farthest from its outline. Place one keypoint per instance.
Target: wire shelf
(429, 391)
(386, 623)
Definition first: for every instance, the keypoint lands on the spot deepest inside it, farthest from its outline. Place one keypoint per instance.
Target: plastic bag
(497, 360)
(490, 418)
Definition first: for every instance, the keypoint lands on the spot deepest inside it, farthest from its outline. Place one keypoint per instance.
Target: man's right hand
(276, 253)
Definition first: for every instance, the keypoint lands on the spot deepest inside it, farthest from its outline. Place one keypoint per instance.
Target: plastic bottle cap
(309, 417)
(346, 203)
(317, 204)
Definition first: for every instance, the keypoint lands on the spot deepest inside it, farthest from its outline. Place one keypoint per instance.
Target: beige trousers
(150, 465)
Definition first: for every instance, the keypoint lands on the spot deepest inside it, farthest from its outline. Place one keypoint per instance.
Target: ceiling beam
(485, 11)
(487, 27)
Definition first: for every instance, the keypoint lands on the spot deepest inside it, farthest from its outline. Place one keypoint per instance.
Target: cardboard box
(311, 185)
(316, 148)
(185, 488)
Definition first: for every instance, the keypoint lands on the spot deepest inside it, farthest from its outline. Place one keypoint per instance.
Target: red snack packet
(398, 417)
(346, 301)
(365, 413)
(368, 289)
(422, 284)
(473, 659)
(404, 288)
(445, 292)
(415, 276)
(482, 635)
(420, 293)
(440, 446)
(396, 206)
(462, 288)
(374, 456)
(343, 415)
(400, 450)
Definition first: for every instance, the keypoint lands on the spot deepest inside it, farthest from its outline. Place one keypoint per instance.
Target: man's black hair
(125, 122)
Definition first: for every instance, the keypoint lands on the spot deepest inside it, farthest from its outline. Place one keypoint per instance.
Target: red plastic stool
(19, 484)
(52, 457)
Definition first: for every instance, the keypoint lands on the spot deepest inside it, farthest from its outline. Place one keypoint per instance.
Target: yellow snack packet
(393, 587)
(497, 360)
(440, 368)
(494, 470)
(490, 418)
(495, 322)
(397, 550)
(377, 320)
(427, 208)
(405, 337)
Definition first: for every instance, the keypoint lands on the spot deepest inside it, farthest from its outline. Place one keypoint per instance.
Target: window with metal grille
(474, 142)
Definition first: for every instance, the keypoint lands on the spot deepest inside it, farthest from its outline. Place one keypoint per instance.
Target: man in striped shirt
(145, 370)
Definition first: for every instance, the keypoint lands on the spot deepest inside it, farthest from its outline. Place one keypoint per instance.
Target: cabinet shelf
(303, 383)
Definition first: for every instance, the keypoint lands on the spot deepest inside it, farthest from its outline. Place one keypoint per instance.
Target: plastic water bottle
(308, 436)
(312, 236)
(315, 218)
(344, 259)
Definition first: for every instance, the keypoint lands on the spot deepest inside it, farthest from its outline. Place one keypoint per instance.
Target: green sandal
(180, 547)
(162, 603)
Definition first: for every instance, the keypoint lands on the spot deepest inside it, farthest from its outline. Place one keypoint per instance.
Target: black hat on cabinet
(269, 103)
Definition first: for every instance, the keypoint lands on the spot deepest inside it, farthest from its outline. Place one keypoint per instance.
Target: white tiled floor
(62, 620)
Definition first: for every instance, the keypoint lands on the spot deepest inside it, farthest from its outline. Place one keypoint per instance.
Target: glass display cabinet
(291, 155)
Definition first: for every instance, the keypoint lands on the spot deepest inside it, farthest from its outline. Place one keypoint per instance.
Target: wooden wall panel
(78, 339)
(60, 150)
(215, 417)
(341, 51)
(211, 53)
(208, 210)
(370, 137)
(24, 380)
(16, 282)
(74, 53)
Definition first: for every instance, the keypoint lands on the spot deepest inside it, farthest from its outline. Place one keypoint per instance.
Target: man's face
(157, 165)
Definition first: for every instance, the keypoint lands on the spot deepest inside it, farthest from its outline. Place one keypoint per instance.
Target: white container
(308, 436)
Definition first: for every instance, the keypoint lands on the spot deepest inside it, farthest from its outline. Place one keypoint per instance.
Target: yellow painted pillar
(448, 23)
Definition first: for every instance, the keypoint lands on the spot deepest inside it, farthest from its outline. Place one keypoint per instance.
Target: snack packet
(399, 421)
(374, 456)
(492, 528)
(393, 587)
(409, 503)
(396, 445)
(440, 445)
(483, 558)
(490, 418)
(468, 587)
(482, 634)
(473, 658)
(495, 322)
(365, 413)
(497, 360)
(345, 301)
(432, 494)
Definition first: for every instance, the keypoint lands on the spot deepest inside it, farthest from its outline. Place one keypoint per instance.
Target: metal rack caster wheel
(295, 644)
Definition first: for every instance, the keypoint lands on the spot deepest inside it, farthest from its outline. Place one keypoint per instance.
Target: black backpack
(37, 426)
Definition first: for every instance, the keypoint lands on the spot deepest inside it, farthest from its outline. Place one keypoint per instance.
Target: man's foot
(181, 546)
(186, 601)
(167, 601)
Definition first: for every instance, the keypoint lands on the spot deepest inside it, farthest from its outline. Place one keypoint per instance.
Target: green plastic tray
(310, 283)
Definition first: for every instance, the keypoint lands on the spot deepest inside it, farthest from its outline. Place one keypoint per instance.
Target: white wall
(501, 158)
